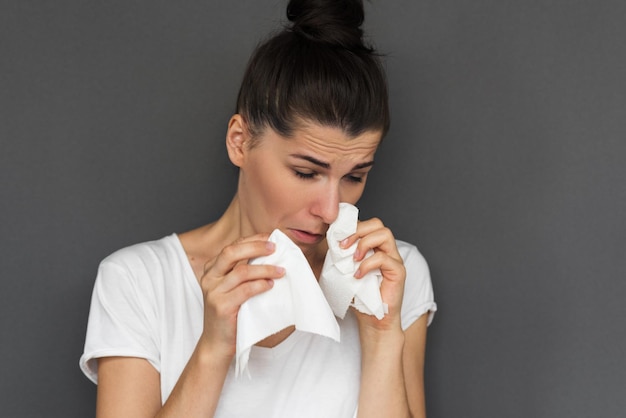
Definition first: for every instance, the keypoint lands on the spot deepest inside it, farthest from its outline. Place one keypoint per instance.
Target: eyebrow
(326, 165)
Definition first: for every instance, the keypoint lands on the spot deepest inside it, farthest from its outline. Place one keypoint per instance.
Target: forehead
(330, 142)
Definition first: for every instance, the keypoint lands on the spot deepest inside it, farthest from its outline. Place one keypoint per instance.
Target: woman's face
(295, 184)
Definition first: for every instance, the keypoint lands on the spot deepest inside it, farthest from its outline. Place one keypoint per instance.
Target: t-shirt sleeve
(122, 318)
(418, 289)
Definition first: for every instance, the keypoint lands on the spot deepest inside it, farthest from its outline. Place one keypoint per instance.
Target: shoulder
(138, 255)
(126, 305)
(140, 266)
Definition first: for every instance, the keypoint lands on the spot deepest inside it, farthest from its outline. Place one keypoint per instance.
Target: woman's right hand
(228, 281)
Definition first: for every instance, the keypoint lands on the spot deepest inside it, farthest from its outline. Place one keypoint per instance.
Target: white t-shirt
(147, 303)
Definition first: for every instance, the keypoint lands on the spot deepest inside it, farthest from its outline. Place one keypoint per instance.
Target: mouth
(305, 237)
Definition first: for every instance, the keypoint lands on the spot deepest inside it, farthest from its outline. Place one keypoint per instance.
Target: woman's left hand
(374, 235)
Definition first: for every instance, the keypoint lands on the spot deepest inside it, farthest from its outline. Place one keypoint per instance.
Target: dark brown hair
(317, 69)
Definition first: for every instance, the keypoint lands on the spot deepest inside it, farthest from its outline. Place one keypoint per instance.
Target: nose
(326, 204)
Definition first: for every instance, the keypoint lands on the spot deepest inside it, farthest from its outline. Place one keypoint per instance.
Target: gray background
(505, 165)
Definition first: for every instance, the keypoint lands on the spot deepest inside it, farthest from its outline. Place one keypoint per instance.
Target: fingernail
(270, 245)
(357, 254)
(280, 270)
(357, 274)
(344, 243)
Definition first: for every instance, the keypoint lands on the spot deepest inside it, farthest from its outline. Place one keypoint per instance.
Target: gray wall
(505, 165)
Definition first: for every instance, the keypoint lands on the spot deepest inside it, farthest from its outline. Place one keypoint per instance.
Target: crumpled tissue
(295, 299)
(337, 280)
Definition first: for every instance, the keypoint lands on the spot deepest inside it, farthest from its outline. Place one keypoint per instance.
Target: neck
(233, 225)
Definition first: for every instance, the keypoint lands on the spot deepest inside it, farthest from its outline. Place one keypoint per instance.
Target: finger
(228, 303)
(390, 268)
(249, 289)
(372, 235)
(247, 273)
(368, 226)
(379, 240)
(237, 253)
(393, 273)
(223, 295)
(256, 237)
(363, 228)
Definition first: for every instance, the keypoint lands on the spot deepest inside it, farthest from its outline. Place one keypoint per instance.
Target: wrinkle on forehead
(333, 140)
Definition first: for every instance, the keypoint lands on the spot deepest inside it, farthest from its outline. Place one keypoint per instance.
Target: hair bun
(336, 22)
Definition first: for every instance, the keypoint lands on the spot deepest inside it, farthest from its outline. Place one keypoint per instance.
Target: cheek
(274, 187)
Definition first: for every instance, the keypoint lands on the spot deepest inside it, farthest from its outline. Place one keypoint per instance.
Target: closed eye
(304, 175)
(354, 179)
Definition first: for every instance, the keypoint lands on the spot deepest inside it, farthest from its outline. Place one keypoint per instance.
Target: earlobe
(236, 138)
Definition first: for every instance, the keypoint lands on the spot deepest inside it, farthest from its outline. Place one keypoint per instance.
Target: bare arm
(392, 376)
(413, 362)
(392, 360)
(383, 391)
(127, 386)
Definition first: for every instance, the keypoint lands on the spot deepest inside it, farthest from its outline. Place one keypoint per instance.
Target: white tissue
(295, 299)
(337, 280)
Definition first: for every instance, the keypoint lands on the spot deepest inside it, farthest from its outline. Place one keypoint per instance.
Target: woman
(311, 113)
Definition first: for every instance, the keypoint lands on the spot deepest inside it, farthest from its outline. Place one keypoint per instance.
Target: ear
(237, 138)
